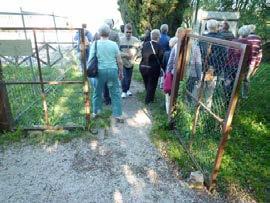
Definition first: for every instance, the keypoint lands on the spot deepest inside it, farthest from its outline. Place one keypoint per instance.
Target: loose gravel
(121, 165)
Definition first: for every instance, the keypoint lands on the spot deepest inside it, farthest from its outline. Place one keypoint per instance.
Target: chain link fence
(46, 88)
(212, 70)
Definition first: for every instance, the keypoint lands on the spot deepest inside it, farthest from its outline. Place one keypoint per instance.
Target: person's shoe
(94, 115)
(129, 93)
(119, 119)
(124, 95)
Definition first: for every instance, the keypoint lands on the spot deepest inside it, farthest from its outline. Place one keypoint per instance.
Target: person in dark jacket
(216, 56)
(213, 61)
(225, 32)
(150, 66)
(164, 37)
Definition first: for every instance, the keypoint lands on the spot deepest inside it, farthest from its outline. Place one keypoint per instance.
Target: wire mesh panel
(206, 92)
(66, 105)
(48, 82)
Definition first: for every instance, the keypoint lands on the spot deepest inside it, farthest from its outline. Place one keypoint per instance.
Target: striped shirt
(256, 49)
(130, 47)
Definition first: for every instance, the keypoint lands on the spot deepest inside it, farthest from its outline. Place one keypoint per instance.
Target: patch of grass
(245, 165)
(60, 136)
(65, 105)
(42, 137)
(246, 160)
(52, 137)
(7, 138)
(65, 102)
(136, 73)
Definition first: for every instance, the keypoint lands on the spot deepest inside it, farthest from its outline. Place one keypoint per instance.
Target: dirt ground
(120, 166)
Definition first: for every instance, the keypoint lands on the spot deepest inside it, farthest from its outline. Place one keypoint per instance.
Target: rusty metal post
(6, 120)
(43, 93)
(180, 69)
(86, 89)
(243, 63)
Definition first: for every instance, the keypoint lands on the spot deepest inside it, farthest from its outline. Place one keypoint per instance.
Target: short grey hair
(109, 22)
(164, 28)
(155, 34)
(243, 31)
(212, 25)
(252, 28)
(104, 30)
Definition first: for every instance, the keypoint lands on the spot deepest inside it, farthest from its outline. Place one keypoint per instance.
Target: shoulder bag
(92, 66)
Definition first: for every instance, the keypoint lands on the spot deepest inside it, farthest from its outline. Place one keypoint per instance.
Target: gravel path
(122, 166)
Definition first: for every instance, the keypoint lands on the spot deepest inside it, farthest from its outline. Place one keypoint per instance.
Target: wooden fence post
(6, 120)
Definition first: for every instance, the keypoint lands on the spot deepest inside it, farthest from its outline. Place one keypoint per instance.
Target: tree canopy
(152, 13)
(251, 12)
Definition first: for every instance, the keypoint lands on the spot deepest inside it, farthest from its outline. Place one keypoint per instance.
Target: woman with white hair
(172, 42)
(150, 65)
(110, 69)
(171, 63)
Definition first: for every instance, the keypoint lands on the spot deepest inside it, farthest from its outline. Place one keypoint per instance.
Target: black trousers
(127, 73)
(106, 94)
(150, 77)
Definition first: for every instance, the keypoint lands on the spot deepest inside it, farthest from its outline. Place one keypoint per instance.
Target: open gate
(42, 87)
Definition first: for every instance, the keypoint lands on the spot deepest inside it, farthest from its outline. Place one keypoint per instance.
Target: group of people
(118, 52)
(222, 62)
(213, 62)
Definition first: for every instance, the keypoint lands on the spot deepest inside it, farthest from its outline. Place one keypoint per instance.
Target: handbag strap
(154, 52)
(152, 48)
(95, 54)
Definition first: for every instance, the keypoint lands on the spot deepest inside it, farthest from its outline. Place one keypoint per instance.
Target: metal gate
(206, 88)
(45, 89)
